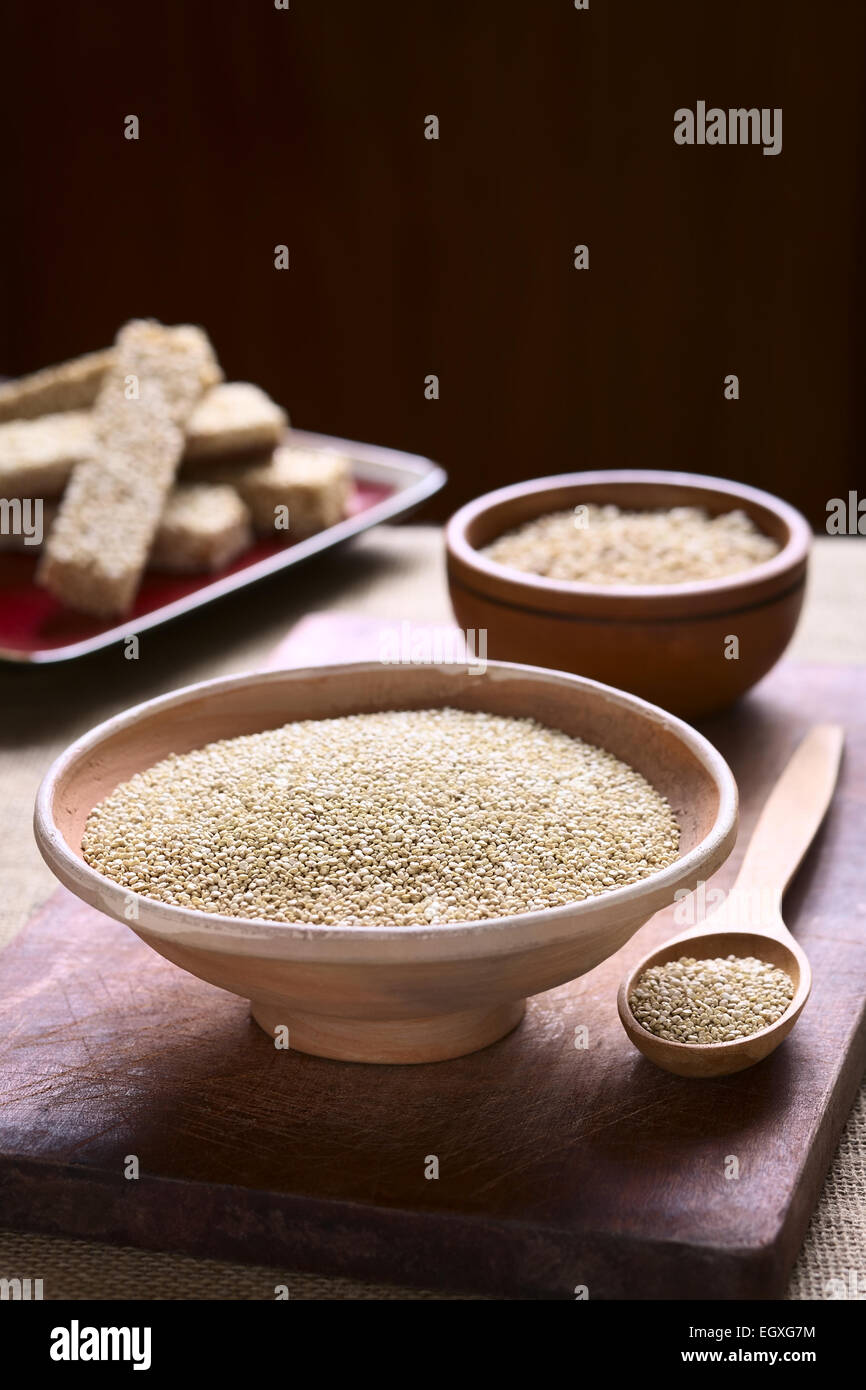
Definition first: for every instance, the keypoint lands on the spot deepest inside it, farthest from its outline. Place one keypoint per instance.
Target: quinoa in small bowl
(681, 588)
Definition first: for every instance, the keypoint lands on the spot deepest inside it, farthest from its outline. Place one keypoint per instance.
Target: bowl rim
(691, 597)
(170, 922)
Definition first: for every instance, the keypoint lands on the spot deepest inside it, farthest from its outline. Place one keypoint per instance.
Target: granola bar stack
(145, 458)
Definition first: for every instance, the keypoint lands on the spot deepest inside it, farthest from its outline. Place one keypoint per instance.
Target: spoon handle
(792, 813)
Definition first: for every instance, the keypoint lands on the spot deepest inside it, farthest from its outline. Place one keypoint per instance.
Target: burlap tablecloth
(391, 573)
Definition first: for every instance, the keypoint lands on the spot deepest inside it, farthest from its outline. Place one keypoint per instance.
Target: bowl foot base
(433, 1039)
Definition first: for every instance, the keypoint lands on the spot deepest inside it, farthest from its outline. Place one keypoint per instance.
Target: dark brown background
(261, 126)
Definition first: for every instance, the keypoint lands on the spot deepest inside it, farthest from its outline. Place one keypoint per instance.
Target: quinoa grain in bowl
(402, 817)
(127, 796)
(636, 578)
(594, 544)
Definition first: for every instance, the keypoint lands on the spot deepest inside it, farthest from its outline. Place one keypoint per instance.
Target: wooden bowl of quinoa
(683, 589)
(387, 861)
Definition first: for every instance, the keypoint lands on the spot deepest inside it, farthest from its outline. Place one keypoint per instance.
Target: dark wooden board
(558, 1166)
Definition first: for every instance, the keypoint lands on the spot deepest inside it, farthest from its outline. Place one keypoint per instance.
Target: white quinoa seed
(671, 546)
(406, 817)
(710, 1001)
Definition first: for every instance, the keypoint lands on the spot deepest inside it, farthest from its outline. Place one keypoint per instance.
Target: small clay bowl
(391, 994)
(670, 644)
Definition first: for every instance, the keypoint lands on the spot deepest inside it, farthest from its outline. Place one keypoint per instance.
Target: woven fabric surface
(391, 573)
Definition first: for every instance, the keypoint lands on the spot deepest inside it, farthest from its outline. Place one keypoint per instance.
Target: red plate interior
(33, 621)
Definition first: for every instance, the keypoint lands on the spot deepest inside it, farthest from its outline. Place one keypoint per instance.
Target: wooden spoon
(750, 922)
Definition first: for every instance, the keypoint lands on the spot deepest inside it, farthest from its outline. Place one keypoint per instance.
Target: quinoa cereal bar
(204, 527)
(98, 546)
(312, 484)
(236, 417)
(69, 386)
(37, 456)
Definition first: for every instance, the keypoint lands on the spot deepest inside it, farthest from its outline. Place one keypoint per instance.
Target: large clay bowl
(670, 644)
(391, 994)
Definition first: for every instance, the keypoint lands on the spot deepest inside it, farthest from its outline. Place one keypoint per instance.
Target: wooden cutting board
(558, 1166)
